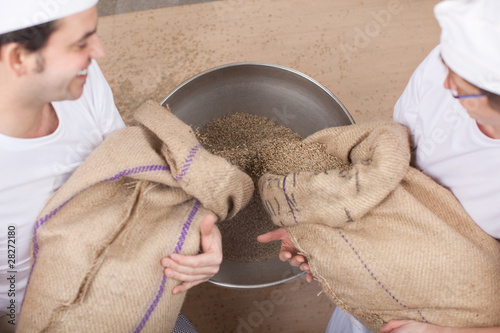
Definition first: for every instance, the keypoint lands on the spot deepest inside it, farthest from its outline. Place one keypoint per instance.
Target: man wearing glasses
(456, 136)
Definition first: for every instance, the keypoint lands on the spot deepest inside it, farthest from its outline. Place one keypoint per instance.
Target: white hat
(470, 40)
(20, 14)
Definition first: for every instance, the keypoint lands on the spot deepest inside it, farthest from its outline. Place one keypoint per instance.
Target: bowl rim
(263, 64)
(260, 285)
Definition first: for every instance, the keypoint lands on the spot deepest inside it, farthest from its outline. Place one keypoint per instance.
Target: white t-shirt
(341, 322)
(31, 170)
(450, 148)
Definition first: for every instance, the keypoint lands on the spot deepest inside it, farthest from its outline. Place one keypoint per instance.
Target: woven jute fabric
(386, 241)
(97, 245)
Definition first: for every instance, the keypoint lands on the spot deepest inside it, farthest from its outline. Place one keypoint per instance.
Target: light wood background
(364, 51)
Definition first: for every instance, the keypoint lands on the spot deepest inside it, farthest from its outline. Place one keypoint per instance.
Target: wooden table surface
(363, 51)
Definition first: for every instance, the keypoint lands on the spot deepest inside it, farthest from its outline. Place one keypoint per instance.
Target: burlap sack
(98, 243)
(385, 241)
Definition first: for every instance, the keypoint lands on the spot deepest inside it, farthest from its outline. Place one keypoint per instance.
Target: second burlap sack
(385, 241)
(97, 246)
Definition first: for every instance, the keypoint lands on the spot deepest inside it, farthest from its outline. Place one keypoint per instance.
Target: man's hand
(288, 252)
(193, 270)
(407, 326)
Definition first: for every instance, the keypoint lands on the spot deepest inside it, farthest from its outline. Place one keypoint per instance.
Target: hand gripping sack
(97, 246)
(384, 240)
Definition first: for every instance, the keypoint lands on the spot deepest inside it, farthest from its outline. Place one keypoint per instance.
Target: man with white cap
(457, 135)
(451, 106)
(55, 108)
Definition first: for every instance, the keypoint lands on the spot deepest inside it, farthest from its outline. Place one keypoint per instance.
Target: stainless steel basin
(283, 95)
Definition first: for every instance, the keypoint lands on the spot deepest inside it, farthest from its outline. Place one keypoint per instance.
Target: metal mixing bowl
(283, 95)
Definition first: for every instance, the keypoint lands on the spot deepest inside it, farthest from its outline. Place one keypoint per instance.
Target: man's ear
(15, 58)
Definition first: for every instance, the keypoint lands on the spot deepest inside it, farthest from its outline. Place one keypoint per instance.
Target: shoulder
(424, 90)
(430, 72)
(432, 60)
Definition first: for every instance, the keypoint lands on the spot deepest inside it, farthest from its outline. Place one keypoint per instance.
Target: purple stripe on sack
(178, 248)
(288, 201)
(43, 220)
(186, 227)
(188, 161)
(376, 279)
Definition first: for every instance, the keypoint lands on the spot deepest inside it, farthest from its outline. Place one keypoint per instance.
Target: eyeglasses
(454, 93)
(457, 96)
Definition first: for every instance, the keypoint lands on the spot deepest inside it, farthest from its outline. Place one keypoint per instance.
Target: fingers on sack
(304, 267)
(285, 255)
(207, 224)
(264, 238)
(297, 261)
(198, 261)
(393, 325)
(171, 274)
(185, 286)
(274, 235)
(203, 265)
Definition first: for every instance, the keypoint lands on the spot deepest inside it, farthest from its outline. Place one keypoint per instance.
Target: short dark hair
(32, 38)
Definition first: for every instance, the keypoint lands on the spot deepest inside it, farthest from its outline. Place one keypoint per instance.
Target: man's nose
(97, 51)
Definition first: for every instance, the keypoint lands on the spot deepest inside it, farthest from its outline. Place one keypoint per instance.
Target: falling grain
(257, 146)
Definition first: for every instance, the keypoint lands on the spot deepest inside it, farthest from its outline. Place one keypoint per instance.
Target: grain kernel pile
(257, 146)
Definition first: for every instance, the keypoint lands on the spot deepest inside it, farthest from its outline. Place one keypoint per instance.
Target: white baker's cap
(470, 40)
(20, 14)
